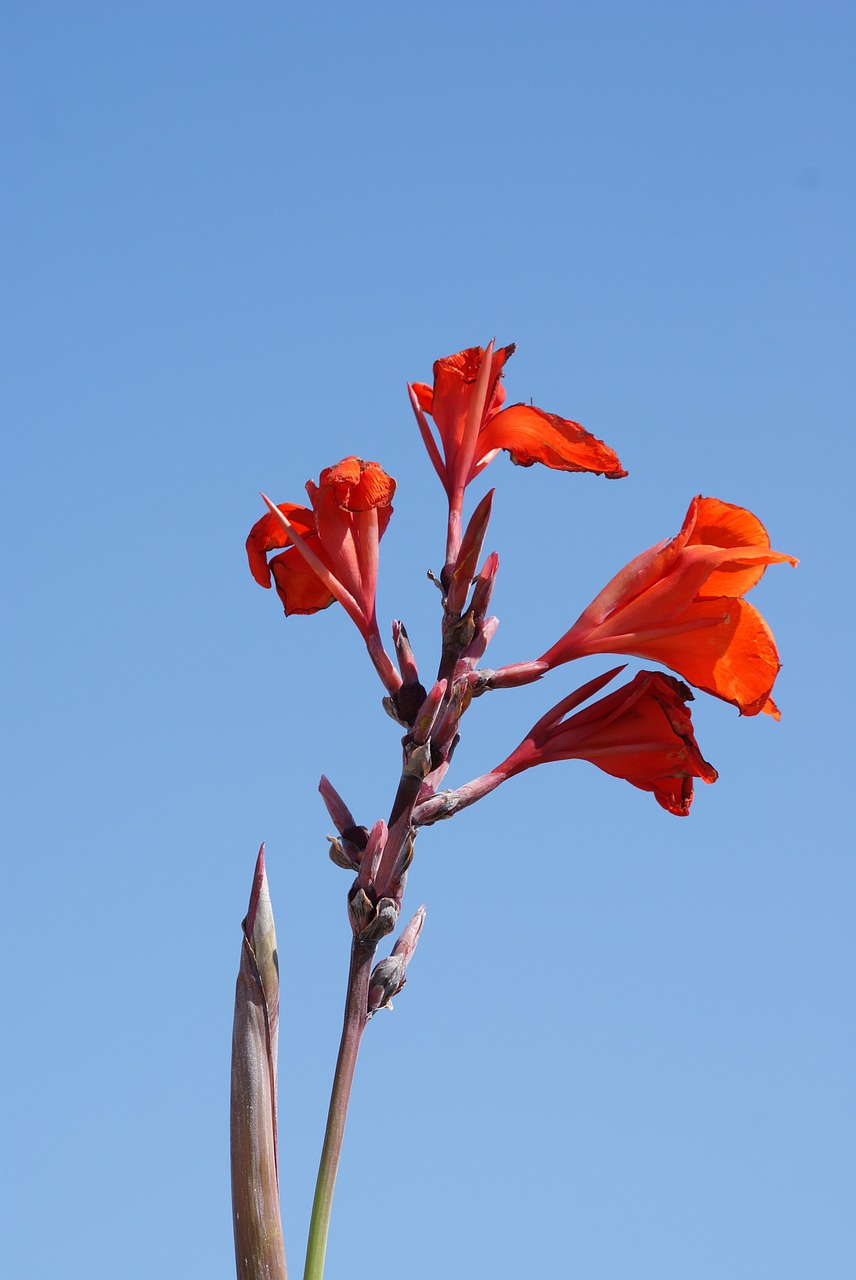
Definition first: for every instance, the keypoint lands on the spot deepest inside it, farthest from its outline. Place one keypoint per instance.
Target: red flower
(331, 548)
(680, 603)
(642, 733)
(466, 405)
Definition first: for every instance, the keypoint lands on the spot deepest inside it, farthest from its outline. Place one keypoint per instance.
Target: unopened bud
(447, 803)
(484, 585)
(404, 653)
(386, 981)
(427, 714)
(485, 631)
(518, 673)
(445, 731)
(340, 814)
(398, 876)
(388, 977)
(371, 857)
(465, 565)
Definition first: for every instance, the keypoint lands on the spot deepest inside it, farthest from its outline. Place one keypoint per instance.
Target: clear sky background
(232, 233)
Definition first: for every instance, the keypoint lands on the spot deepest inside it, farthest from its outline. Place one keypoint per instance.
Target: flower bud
(404, 653)
(484, 585)
(427, 714)
(468, 556)
(370, 860)
(340, 814)
(388, 976)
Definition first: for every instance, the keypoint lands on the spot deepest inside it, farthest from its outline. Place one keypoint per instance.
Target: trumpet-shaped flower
(466, 404)
(681, 603)
(467, 400)
(641, 732)
(331, 548)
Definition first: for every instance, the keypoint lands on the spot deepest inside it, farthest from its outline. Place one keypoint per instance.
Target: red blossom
(680, 603)
(641, 732)
(528, 434)
(331, 548)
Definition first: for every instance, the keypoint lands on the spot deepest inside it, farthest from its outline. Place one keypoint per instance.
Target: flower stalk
(356, 1018)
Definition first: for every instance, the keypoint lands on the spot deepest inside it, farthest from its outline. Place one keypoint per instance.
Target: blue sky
(231, 234)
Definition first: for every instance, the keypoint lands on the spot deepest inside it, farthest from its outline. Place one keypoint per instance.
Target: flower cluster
(680, 604)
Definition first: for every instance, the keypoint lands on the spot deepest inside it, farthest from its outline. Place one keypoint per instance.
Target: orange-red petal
(297, 586)
(650, 741)
(734, 657)
(424, 396)
(531, 435)
(720, 524)
(454, 383)
(268, 534)
(357, 485)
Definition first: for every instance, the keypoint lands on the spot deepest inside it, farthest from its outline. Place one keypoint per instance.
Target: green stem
(356, 1017)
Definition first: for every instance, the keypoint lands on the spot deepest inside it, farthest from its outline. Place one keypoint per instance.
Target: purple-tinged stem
(356, 1017)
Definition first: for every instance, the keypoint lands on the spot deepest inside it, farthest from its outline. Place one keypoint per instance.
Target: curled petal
(268, 534)
(472, 429)
(357, 485)
(530, 435)
(642, 733)
(299, 589)
(722, 646)
(720, 524)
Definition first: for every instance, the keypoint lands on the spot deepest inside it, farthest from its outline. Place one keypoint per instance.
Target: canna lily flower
(466, 404)
(680, 603)
(331, 549)
(641, 732)
(471, 380)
